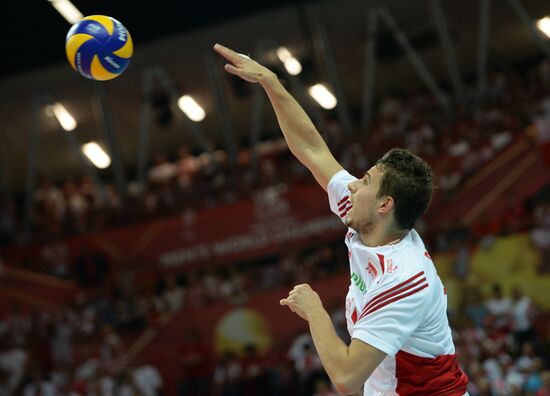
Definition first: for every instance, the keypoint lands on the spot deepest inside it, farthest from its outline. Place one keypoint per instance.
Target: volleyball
(99, 47)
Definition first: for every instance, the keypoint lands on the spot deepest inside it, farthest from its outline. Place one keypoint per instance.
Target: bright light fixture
(543, 24)
(191, 108)
(66, 120)
(292, 65)
(67, 10)
(96, 155)
(323, 96)
(283, 54)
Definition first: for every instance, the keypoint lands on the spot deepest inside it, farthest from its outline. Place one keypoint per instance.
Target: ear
(386, 204)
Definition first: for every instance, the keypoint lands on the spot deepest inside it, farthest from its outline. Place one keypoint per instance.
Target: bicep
(322, 165)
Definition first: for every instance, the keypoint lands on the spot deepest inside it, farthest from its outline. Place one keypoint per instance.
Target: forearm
(300, 134)
(332, 351)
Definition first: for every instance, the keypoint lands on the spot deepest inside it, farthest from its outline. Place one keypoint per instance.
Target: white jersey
(397, 304)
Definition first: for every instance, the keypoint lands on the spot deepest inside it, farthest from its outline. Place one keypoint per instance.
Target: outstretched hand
(303, 300)
(242, 66)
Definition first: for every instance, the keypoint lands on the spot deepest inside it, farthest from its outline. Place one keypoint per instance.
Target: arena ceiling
(178, 37)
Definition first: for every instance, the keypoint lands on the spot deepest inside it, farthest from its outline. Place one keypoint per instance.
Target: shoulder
(340, 178)
(338, 193)
(407, 262)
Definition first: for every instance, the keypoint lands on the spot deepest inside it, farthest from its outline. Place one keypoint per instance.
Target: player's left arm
(347, 366)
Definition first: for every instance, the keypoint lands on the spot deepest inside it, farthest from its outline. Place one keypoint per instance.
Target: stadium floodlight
(66, 120)
(543, 24)
(191, 108)
(292, 65)
(323, 96)
(67, 10)
(96, 155)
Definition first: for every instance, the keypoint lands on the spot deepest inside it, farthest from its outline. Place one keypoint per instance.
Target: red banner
(261, 321)
(272, 219)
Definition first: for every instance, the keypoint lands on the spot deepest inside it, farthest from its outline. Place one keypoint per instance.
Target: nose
(351, 187)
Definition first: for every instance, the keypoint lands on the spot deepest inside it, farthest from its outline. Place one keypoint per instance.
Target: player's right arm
(303, 139)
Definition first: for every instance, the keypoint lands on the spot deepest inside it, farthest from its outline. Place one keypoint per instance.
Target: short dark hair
(408, 179)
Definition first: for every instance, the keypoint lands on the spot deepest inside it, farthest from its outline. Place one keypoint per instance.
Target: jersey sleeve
(392, 313)
(338, 193)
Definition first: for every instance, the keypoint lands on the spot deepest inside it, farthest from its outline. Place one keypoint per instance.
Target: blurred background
(153, 263)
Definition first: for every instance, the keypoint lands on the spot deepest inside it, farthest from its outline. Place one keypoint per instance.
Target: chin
(348, 222)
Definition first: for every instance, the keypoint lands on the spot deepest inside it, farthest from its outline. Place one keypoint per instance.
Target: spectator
(91, 267)
(227, 375)
(253, 371)
(49, 205)
(545, 389)
(194, 360)
(173, 294)
(187, 166)
(474, 308)
(533, 380)
(55, 259)
(500, 307)
(39, 385)
(147, 379)
(5, 389)
(523, 314)
(13, 360)
(162, 172)
(61, 343)
(540, 234)
(77, 206)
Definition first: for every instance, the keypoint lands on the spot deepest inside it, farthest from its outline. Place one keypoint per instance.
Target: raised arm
(303, 139)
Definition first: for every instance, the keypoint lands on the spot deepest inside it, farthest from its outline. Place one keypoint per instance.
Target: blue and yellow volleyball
(99, 47)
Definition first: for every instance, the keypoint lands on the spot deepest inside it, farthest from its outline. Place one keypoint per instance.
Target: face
(365, 211)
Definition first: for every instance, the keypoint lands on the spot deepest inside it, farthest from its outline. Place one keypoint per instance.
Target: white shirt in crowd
(147, 380)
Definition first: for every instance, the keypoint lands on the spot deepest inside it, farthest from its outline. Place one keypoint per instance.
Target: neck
(383, 235)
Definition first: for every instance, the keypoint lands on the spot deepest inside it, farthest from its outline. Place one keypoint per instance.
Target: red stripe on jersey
(419, 376)
(345, 212)
(385, 302)
(373, 269)
(343, 199)
(343, 205)
(354, 316)
(384, 294)
(375, 301)
(381, 258)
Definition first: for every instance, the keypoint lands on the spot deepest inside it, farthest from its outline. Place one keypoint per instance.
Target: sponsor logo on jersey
(391, 267)
(359, 282)
(371, 270)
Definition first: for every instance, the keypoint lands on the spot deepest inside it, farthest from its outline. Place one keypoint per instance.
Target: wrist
(269, 79)
(316, 314)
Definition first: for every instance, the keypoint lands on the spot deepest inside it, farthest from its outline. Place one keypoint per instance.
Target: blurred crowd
(52, 348)
(84, 348)
(499, 346)
(456, 143)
